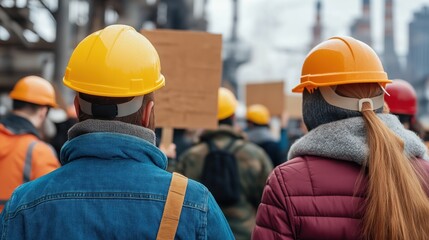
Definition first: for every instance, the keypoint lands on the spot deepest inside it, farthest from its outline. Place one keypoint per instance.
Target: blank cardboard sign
(294, 106)
(192, 65)
(270, 95)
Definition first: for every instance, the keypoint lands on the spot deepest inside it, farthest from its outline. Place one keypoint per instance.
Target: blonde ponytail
(397, 207)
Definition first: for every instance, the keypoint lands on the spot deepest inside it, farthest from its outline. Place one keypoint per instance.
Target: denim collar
(19, 125)
(110, 140)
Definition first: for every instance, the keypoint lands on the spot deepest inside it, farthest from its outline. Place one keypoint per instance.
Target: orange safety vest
(23, 158)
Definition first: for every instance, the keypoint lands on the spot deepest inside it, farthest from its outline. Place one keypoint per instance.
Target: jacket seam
(6, 221)
(334, 195)
(78, 196)
(204, 216)
(287, 202)
(273, 230)
(318, 216)
(309, 174)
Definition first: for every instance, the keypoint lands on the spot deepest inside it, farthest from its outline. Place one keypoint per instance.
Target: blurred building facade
(418, 57)
(361, 27)
(235, 53)
(23, 51)
(389, 57)
(317, 27)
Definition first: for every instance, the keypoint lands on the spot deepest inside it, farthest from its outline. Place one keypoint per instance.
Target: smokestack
(361, 27)
(366, 14)
(390, 59)
(317, 28)
(389, 43)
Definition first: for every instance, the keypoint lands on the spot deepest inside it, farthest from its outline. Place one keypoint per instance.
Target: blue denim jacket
(111, 186)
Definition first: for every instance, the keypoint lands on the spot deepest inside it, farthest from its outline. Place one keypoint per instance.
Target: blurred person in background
(23, 156)
(112, 183)
(358, 173)
(402, 102)
(183, 139)
(296, 129)
(258, 131)
(233, 169)
(63, 120)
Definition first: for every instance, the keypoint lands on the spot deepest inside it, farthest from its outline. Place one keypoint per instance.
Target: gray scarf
(95, 125)
(346, 140)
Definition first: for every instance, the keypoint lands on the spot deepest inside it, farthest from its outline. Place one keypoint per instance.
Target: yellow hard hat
(258, 114)
(341, 60)
(227, 103)
(114, 62)
(34, 89)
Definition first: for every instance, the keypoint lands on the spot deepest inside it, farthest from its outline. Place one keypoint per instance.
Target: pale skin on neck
(36, 118)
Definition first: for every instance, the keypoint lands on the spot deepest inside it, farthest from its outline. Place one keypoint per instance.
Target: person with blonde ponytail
(358, 173)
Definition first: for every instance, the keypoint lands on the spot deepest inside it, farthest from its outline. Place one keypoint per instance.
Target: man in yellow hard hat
(258, 131)
(113, 183)
(233, 169)
(23, 156)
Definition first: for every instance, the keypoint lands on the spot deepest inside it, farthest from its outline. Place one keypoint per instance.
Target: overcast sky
(270, 25)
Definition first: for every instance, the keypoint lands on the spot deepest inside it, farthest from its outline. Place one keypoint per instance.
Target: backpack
(220, 173)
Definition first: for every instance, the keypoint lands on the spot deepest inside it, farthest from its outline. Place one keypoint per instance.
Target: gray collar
(95, 125)
(346, 140)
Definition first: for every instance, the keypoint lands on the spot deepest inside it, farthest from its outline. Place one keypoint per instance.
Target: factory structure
(25, 51)
(416, 69)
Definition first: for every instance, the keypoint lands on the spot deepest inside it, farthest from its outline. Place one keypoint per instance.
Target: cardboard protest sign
(192, 65)
(294, 106)
(271, 95)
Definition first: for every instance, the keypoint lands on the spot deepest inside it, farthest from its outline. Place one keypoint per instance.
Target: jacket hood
(222, 130)
(347, 140)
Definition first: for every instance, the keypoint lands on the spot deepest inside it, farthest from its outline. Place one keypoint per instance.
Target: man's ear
(40, 116)
(147, 113)
(76, 106)
(43, 112)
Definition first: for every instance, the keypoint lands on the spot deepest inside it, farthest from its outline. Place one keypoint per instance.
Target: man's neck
(32, 119)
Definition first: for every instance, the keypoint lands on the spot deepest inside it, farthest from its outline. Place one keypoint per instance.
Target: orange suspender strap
(173, 207)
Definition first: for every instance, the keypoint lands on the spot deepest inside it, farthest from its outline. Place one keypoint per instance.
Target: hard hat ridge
(341, 60)
(116, 61)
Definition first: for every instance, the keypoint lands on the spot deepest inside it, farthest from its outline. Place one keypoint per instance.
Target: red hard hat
(402, 99)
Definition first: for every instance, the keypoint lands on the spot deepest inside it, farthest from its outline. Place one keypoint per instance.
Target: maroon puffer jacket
(312, 198)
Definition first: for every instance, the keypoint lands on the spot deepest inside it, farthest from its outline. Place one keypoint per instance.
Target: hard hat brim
(83, 88)
(311, 85)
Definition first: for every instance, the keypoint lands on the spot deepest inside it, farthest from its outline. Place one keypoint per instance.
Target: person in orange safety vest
(23, 156)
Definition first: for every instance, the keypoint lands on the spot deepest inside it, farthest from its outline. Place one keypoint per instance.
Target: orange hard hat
(402, 99)
(341, 60)
(34, 89)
